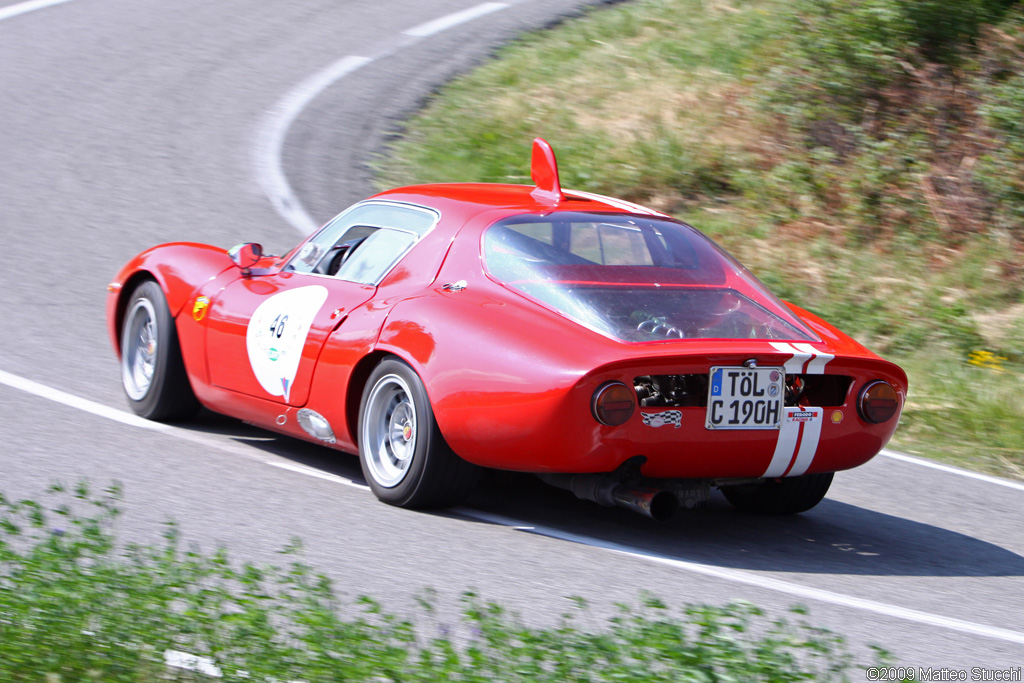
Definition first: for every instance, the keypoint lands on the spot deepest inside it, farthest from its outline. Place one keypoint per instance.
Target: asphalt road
(126, 123)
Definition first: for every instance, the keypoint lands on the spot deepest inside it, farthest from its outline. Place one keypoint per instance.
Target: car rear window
(635, 278)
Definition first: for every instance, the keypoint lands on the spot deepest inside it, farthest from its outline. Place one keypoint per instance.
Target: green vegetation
(863, 158)
(74, 606)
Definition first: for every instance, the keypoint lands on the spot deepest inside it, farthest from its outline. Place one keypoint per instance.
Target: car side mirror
(245, 255)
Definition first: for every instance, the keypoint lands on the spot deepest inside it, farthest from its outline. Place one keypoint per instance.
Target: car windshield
(637, 279)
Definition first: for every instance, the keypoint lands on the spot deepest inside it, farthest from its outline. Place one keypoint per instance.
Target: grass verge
(74, 606)
(866, 189)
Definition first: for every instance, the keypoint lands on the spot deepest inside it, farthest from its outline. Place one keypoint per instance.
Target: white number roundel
(276, 334)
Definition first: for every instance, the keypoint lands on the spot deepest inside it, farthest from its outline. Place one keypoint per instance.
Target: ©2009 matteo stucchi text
(921, 673)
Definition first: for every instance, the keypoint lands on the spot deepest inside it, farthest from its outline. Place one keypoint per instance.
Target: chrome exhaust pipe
(656, 504)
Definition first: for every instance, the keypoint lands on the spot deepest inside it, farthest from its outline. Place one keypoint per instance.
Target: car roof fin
(544, 171)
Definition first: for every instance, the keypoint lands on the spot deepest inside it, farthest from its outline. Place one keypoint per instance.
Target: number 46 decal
(277, 333)
(277, 327)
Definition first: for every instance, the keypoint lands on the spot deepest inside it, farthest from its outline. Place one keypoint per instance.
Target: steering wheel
(342, 252)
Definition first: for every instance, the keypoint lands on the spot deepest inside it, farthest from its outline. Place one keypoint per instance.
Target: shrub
(76, 607)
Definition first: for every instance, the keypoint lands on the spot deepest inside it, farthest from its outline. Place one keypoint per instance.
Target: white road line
(130, 419)
(31, 6)
(454, 19)
(311, 472)
(270, 141)
(953, 470)
(758, 580)
(84, 404)
(734, 575)
(269, 145)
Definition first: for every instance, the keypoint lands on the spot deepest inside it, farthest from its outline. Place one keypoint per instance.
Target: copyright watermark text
(920, 673)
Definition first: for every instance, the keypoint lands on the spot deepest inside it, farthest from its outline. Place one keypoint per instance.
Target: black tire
(404, 457)
(780, 496)
(152, 371)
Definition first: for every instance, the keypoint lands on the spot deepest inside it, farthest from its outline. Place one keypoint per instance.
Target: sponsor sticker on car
(745, 398)
(667, 417)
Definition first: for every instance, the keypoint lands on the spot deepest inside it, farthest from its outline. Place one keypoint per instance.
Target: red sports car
(440, 329)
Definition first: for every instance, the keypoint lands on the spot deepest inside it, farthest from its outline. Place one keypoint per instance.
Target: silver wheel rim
(139, 349)
(389, 431)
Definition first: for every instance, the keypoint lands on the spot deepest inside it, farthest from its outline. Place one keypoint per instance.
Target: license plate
(745, 398)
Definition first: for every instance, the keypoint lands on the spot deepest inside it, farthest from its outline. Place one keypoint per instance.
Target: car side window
(371, 261)
(364, 242)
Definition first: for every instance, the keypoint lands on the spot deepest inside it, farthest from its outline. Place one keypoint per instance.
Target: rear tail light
(878, 402)
(613, 403)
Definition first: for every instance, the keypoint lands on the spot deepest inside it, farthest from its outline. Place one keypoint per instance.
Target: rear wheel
(152, 371)
(404, 458)
(780, 496)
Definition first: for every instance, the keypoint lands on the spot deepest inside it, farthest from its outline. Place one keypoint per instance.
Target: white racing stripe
(795, 365)
(808, 442)
(613, 201)
(788, 461)
(789, 432)
(819, 359)
(31, 6)
(797, 444)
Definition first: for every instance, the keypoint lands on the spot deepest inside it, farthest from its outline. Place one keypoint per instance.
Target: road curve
(129, 123)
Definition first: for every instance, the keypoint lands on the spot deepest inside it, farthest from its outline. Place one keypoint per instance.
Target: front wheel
(152, 371)
(403, 455)
(780, 496)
